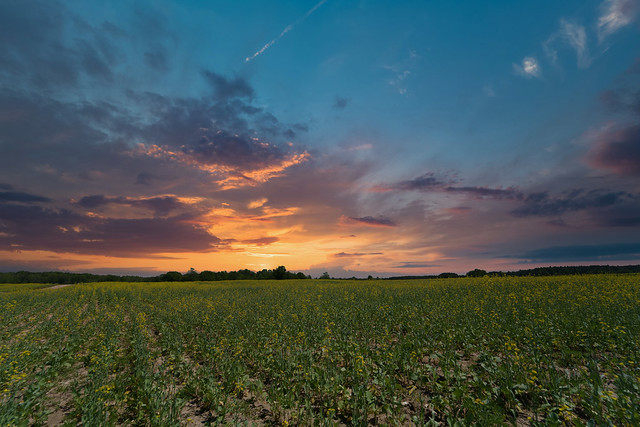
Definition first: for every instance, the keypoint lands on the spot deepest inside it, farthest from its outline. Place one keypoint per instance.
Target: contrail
(285, 31)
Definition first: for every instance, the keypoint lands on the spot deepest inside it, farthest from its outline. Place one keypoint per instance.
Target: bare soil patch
(57, 286)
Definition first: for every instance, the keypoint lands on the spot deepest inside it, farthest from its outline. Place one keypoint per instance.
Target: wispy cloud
(489, 91)
(529, 68)
(616, 15)
(285, 31)
(575, 37)
(370, 221)
(402, 71)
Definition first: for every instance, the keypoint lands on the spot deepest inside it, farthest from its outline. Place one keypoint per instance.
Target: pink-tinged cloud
(459, 210)
(228, 175)
(617, 151)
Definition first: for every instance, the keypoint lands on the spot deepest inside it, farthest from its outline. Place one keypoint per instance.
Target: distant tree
(300, 275)
(246, 274)
(476, 273)
(171, 276)
(325, 275)
(191, 275)
(447, 275)
(207, 276)
(280, 273)
(369, 277)
(264, 274)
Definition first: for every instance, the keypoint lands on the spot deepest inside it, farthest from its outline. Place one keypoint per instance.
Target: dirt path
(58, 286)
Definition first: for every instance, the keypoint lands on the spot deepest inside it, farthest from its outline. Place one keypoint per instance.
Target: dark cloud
(34, 228)
(223, 148)
(91, 202)
(618, 151)
(225, 88)
(58, 108)
(85, 137)
(160, 205)
(227, 131)
(426, 182)
(486, 192)
(341, 103)
(587, 253)
(430, 182)
(371, 221)
(541, 204)
(13, 196)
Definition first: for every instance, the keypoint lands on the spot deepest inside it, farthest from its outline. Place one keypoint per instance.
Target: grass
(487, 351)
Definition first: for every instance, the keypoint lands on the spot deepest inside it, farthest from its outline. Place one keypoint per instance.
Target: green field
(487, 351)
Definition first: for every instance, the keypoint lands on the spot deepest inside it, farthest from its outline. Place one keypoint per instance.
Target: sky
(354, 137)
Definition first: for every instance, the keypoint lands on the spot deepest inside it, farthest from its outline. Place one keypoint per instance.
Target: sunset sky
(354, 137)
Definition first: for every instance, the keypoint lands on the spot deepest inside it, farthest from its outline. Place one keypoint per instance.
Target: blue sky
(352, 137)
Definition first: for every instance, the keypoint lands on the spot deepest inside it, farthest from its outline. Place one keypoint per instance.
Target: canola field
(485, 351)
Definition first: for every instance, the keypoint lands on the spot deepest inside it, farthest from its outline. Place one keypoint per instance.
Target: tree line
(538, 271)
(61, 277)
(281, 273)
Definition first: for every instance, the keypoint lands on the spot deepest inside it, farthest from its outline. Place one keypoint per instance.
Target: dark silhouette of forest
(539, 271)
(281, 273)
(61, 277)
